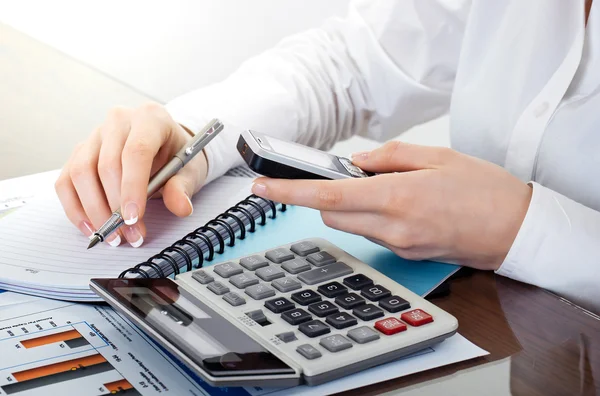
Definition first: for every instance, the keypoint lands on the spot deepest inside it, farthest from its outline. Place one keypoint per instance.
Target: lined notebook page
(39, 247)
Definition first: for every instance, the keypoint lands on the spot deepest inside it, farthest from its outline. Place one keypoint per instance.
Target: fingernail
(130, 213)
(134, 236)
(114, 240)
(86, 229)
(361, 156)
(259, 189)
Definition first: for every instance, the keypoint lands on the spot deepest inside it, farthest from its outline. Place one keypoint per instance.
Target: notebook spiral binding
(190, 251)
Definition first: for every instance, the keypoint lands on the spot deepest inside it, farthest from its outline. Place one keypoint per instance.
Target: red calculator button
(416, 317)
(390, 326)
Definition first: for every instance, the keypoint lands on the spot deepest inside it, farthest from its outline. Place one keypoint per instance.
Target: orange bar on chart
(55, 368)
(117, 386)
(51, 339)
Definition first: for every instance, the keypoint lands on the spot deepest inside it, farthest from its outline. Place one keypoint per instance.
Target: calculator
(302, 313)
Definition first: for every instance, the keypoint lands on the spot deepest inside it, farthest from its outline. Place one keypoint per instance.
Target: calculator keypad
(286, 284)
(358, 281)
(279, 304)
(260, 291)
(368, 312)
(332, 289)
(323, 308)
(314, 328)
(349, 301)
(296, 316)
(305, 297)
(341, 320)
(324, 274)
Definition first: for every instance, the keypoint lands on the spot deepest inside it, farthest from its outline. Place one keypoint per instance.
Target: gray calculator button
(242, 281)
(308, 351)
(362, 335)
(304, 248)
(217, 288)
(234, 299)
(227, 269)
(202, 277)
(260, 291)
(320, 259)
(279, 255)
(326, 273)
(286, 284)
(286, 337)
(270, 273)
(252, 263)
(335, 343)
(296, 266)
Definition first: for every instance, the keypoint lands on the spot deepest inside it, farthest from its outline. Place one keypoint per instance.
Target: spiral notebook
(42, 254)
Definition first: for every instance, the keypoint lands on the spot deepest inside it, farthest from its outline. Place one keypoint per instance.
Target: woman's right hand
(112, 168)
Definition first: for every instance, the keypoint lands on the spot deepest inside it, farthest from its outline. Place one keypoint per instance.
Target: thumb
(400, 157)
(178, 191)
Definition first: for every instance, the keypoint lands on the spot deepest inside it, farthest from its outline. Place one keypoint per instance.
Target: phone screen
(303, 153)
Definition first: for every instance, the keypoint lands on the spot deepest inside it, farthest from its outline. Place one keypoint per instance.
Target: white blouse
(521, 80)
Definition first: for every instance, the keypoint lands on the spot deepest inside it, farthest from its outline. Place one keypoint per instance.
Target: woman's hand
(112, 168)
(443, 205)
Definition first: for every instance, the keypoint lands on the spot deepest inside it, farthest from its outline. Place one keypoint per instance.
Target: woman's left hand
(442, 205)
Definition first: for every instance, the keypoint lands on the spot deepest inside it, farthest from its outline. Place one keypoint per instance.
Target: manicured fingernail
(191, 205)
(134, 236)
(114, 240)
(130, 213)
(259, 189)
(86, 229)
(361, 156)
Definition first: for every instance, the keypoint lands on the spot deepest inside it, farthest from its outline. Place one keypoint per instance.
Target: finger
(366, 224)
(148, 133)
(331, 195)
(401, 157)
(179, 189)
(70, 201)
(135, 234)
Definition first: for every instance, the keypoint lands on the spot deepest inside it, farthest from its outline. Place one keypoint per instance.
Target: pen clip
(214, 127)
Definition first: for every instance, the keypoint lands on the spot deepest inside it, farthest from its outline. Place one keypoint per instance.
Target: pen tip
(93, 241)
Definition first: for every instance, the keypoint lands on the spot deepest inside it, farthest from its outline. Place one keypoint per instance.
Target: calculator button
(242, 281)
(375, 292)
(286, 284)
(368, 312)
(335, 343)
(252, 263)
(416, 317)
(218, 288)
(202, 277)
(394, 304)
(279, 255)
(296, 266)
(286, 337)
(314, 328)
(260, 291)
(234, 299)
(269, 273)
(357, 281)
(258, 316)
(308, 351)
(304, 248)
(323, 308)
(227, 269)
(349, 301)
(325, 274)
(363, 334)
(305, 297)
(341, 320)
(390, 326)
(320, 259)
(296, 316)
(332, 289)
(279, 305)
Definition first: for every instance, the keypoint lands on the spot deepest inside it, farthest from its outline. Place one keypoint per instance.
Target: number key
(375, 292)
(323, 308)
(349, 301)
(296, 316)
(305, 297)
(332, 289)
(314, 328)
(341, 320)
(279, 305)
(368, 312)
(394, 304)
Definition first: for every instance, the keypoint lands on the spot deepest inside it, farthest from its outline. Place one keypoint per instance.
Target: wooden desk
(553, 346)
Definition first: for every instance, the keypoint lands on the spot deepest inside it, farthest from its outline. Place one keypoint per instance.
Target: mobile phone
(277, 158)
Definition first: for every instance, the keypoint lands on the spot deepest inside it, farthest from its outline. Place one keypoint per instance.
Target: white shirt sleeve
(558, 248)
(386, 67)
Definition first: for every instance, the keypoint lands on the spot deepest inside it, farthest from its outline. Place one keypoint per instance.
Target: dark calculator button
(368, 312)
(305, 297)
(341, 320)
(314, 328)
(375, 292)
(296, 316)
(357, 281)
(323, 308)
(279, 305)
(394, 304)
(332, 289)
(304, 248)
(349, 301)
(320, 259)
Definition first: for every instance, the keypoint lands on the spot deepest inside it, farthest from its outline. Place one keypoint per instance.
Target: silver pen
(187, 152)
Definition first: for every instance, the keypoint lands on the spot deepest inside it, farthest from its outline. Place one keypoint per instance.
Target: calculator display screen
(303, 153)
(197, 331)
